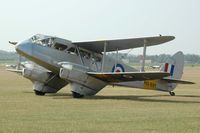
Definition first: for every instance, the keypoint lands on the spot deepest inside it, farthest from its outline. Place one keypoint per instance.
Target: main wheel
(77, 95)
(172, 93)
(39, 93)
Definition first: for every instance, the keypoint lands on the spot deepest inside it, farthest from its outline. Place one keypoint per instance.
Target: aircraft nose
(23, 47)
(19, 47)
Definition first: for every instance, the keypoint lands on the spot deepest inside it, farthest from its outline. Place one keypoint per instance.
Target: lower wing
(128, 76)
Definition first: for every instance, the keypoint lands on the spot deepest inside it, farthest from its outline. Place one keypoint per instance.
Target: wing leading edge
(128, 76)
(123, 44)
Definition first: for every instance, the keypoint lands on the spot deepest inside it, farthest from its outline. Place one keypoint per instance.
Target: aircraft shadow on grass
(140, 98)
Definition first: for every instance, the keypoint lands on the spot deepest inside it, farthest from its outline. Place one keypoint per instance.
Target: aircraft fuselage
(55, 60)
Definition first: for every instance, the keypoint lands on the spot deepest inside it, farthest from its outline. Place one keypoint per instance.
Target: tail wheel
(172, 93)
(39, 93)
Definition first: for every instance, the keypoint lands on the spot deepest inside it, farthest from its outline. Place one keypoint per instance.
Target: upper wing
(122, 44)
(128, 76)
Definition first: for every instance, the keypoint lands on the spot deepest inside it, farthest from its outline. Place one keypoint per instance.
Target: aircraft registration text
(150, 84)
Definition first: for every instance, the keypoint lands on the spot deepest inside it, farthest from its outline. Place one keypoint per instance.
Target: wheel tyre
(77, 95)
(39, 93)
(172, 93)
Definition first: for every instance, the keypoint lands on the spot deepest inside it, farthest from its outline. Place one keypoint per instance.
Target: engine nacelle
(41, 87)
(43, 81)
(36, 75)
(74, 72)
(80, 81)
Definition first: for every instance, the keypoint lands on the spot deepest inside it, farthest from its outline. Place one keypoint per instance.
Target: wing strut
(116, 60)
(104, 55)
(80, 55)
(144, 55)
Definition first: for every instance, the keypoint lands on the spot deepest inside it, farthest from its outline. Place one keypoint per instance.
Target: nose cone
(23, 48)
(18, 47)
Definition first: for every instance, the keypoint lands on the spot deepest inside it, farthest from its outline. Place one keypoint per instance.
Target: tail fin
(174, 65)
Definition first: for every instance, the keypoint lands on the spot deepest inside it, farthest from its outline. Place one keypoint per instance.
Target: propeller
(13, 43)
(19, 63)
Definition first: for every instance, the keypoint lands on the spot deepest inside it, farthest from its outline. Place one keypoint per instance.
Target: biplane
(86, 67)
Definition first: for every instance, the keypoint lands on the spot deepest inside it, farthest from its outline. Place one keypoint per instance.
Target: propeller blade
(13, 43)
(19, 62)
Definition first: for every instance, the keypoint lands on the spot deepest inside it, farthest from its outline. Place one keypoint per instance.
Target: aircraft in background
(155, 67)
(57, 62)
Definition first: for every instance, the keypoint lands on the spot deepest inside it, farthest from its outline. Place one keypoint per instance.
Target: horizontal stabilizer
(128, 76)
(177, 81)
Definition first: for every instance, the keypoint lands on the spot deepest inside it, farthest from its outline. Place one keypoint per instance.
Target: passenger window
(60, 46)
(72, 50)
(85, 54)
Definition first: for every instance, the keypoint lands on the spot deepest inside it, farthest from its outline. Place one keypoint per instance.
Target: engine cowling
(44, 81)
(74, 72)
(81, 83)
(36, 75)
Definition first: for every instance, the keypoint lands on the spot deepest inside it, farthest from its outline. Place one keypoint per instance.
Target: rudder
(174, 65)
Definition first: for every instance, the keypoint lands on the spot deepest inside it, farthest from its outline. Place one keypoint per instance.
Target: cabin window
(72, 50)
(60, 46)
(85, 54)
(48, 41)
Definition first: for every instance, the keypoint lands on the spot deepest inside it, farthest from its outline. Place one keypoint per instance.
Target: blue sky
(83, 20)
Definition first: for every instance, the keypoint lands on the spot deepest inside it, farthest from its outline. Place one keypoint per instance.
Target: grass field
(116, 109)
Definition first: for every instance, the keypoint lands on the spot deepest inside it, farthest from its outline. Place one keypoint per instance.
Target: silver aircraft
(57, 62)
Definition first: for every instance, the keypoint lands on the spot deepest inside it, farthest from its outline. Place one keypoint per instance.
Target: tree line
(130, 58)
(155, 59)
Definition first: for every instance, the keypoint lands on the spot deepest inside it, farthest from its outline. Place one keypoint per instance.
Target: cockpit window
(48, 41)
(42, 40)
(35, 38)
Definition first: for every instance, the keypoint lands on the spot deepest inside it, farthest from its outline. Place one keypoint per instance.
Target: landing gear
(39, 93)
(77, 95)
(172, 93)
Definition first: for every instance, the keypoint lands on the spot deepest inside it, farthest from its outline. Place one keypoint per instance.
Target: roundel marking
(118, 68)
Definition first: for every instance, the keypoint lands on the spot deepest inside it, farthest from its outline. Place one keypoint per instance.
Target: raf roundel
(118, 68)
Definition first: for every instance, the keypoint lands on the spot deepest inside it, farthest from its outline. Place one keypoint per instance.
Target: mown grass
(112, 110)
